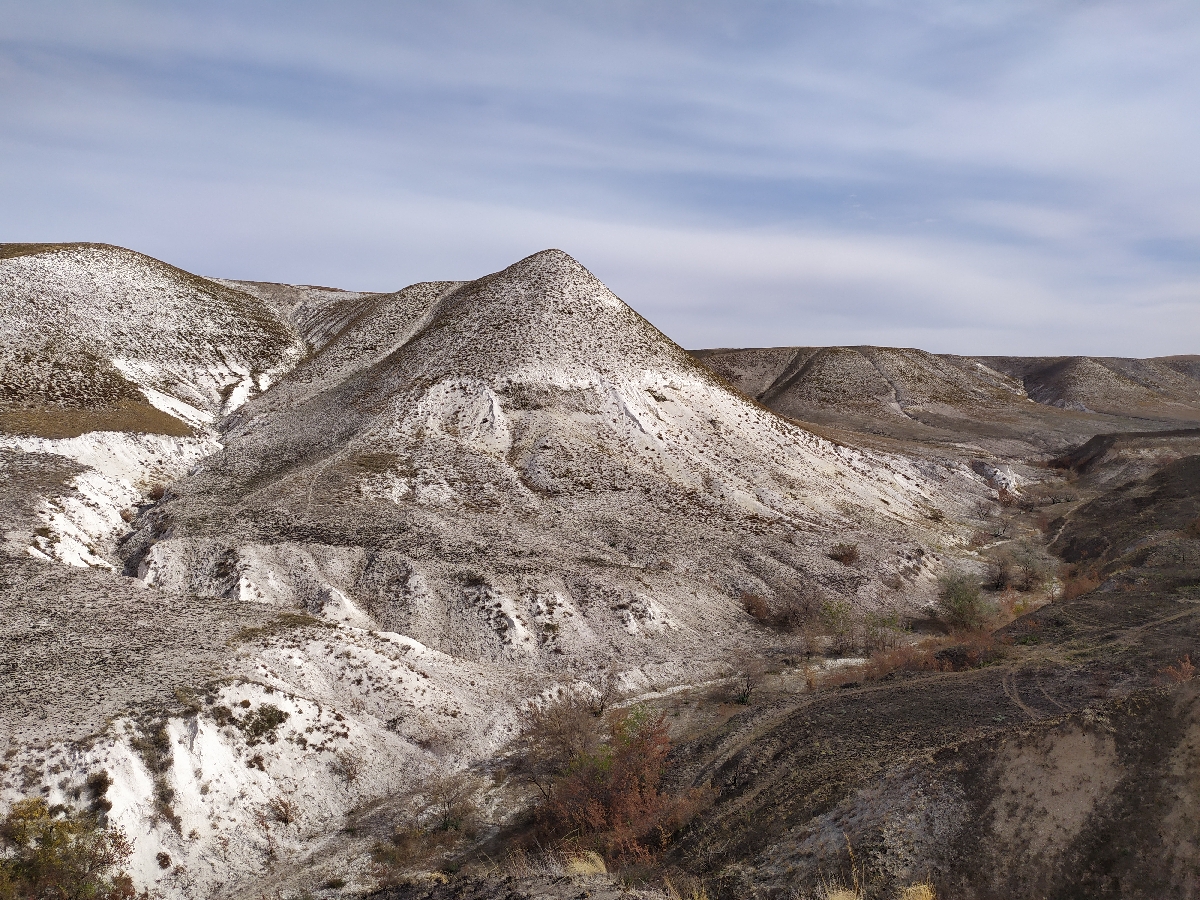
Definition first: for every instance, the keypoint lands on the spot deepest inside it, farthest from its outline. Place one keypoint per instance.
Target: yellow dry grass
(135, 416)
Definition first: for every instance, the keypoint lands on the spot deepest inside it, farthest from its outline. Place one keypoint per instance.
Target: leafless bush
(1016, 571)
(1000, 527)
(797, 609)
(748, 674)
(346, 766)
(551, 737)
(607, 690)
(446, 802)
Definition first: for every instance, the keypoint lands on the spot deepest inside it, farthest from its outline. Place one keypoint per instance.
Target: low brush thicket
(600, 780)
(53, 852)
(443, 814)
(833, 625)
(1079, 580)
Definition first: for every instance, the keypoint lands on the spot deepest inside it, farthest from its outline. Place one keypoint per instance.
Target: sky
(968, 177)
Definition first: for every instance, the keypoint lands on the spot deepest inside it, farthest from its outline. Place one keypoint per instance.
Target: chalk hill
(90, 326)
(521, 466)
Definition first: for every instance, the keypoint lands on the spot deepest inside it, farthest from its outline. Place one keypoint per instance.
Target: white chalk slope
(482, 489)
(475, 463)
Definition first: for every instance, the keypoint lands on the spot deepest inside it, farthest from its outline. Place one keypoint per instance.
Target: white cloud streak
(963, 176)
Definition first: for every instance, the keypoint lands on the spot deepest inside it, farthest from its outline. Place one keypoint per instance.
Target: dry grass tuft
(1078, 585)
(951, 653)
(846, 554)
(685, 888)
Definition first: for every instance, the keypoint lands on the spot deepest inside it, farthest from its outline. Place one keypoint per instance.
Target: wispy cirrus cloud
(964, 176)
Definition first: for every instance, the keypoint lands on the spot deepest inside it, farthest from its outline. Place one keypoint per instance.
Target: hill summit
(521, 466)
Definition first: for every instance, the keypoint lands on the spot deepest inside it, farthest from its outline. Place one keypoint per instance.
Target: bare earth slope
(391, 519)
(84, 323)
(521, 467)
(382, 523)
(1010, 406)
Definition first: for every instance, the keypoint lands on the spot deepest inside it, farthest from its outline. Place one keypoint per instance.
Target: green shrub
(261, 724)
(960, 604)
(52, 852)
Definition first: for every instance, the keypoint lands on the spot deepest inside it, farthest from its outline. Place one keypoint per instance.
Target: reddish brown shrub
(969, 651)
(1079, 585)
(609, 799)
(1181, 671)
(907, 658)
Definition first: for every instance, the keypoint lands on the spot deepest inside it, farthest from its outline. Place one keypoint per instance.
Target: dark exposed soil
(1067, 768)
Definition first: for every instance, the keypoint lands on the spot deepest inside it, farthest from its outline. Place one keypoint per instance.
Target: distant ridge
(91, 325)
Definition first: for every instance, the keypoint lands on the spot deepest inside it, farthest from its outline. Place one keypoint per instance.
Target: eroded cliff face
(389, 521)
(278, 556)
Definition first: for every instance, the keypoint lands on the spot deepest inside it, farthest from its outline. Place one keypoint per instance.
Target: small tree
(837, 617)
(610, 797)
(52, 852)
(607, 691)
(960, 603)
(553, 737)
(447, 802)
(797, 609)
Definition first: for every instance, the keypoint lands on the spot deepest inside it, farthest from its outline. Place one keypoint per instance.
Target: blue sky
(974, 177)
